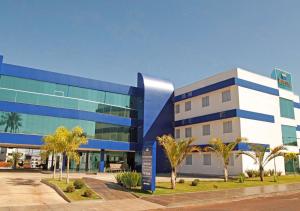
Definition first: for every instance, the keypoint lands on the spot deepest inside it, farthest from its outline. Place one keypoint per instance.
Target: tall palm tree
(176, 152)
(12, 121)
(292, 156)
(53, 143)
(73, 140)
(260, 156)
(223, 151)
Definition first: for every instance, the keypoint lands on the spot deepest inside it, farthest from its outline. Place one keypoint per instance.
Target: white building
(237, 103)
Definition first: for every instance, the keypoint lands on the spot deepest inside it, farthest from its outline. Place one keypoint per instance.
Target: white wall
(216, 167)
(215, 104)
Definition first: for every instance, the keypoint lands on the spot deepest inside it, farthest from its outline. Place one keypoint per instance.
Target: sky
(181, 41)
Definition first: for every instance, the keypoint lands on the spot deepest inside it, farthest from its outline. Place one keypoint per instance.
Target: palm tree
(16, 156)
(223, 151)
(53, 143)
(12, 121)
(73, 140)
(259, 156)
(292, 156)
(176, 152)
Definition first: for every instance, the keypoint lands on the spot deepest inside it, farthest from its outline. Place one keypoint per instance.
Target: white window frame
(186, 133)
(205, 157)
(189, 160)
(205, 101)
(177, 133)
(204, 132)
(188, 106)
(227, 127)
(177, 108)
(226, 96)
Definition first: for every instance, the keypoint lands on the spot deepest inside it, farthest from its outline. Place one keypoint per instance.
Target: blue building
(119, 120)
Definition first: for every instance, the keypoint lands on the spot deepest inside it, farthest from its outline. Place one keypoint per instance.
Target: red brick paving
(190, 199)
(287, 202)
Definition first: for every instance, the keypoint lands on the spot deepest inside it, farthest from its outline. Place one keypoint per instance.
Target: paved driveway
(21, 189)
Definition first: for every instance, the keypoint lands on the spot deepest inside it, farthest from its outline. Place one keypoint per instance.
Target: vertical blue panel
(102, 163)
(157, 117)
(1, 60)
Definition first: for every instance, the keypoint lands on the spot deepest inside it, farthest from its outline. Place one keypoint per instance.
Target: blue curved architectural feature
(156, 115)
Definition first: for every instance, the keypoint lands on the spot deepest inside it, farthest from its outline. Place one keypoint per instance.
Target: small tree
(176, 152)
(15, 157)
(292, 156)
(53, 143)
(223, 151)
(259, 156)
(73, 140)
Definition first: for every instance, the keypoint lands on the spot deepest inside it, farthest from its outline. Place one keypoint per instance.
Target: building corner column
(102, 162)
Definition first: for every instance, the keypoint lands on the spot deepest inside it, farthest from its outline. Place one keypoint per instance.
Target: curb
(60, 192)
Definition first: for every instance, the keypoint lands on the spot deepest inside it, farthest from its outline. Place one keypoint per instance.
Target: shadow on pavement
(20, 181)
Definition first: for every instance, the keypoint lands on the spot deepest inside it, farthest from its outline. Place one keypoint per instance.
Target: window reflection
(12, 122)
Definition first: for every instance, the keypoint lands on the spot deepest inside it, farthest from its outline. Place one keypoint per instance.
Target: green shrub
(271, 172)
(195, 182)
(181, 181)
(279, 173)
(129, 179)
(266, 173)
(256, 173)
(70, 189)
(241, 178)
(78, 184)
(88, 193)
(118, 178)
(140, 181)
(250, 173)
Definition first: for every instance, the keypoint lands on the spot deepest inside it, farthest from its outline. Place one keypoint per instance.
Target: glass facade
(28, 91)
(287, 108)
(41, 125)
(291, 166)
(289, 135)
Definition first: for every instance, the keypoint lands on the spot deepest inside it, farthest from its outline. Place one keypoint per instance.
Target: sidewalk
(112, 205)
(190, 199)
(170, 201)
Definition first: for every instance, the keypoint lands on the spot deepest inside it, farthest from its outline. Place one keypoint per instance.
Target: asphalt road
(287, 202)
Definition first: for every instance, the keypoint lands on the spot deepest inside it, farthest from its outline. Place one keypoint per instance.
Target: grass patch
(165, 187)
(77, 195)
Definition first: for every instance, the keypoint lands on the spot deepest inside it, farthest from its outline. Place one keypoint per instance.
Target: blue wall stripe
(241, 146)
(256, 86)
(298, 128)
(226, 115)
(255, 116)
(206, 89)
(36, 140)
(297, 105)
(52, 77)
(65, 113)
(227, 83)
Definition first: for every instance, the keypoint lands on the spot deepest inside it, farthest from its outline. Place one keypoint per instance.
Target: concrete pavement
(23, 189)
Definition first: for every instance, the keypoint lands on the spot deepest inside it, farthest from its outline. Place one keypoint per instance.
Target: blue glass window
(287, 108)
(11, 122)
(289, 135)
(27, 91)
